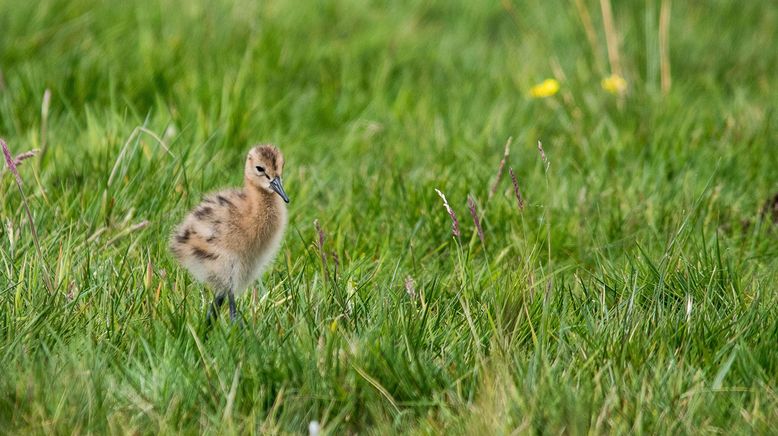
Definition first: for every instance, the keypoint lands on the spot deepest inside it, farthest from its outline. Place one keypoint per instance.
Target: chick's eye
(260, 169)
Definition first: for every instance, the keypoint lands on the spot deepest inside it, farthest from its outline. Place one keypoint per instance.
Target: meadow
(632, 290)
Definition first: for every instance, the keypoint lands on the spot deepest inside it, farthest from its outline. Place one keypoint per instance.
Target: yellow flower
(546, 88)
(614, 84)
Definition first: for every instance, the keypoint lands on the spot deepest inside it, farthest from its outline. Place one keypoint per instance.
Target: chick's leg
(213, 311)
(233, 309)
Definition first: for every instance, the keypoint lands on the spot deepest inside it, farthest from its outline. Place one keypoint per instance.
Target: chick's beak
(277, 186)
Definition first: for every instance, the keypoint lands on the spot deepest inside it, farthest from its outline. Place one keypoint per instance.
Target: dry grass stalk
(410, 287)
(12, 164)
(45, 121)
(149, 277)
(591, 34)
(664, 46)
(476, 221)
(24, 156)
(516, 190)
(505, 154)
(546, 163)
(132, 229)
(21, 157)
(454, 221)
(611, 37)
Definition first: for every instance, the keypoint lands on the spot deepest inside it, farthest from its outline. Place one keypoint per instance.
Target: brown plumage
(229, 239)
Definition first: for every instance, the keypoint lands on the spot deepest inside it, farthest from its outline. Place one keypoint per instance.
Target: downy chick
(230, 238)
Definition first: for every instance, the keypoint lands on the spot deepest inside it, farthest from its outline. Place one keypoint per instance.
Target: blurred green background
(633, 293)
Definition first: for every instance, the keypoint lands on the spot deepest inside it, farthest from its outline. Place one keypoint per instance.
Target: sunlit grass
(625, 281)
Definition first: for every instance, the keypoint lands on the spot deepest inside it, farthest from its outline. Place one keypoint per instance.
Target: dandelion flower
(546, 88)
(614, 84)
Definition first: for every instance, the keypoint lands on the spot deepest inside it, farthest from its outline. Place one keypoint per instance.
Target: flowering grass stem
(12, 164)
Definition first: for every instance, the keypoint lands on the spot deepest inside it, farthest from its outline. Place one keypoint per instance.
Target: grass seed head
(501, 167)
(410, 287)
(543, 154)
(454, 221)
(516, 190)
(10, 161)
(24, 156)
(474, 214)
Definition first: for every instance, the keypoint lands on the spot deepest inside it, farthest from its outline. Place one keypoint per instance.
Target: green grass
(635, 293)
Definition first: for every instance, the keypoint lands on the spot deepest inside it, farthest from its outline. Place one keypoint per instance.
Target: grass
(634, 293)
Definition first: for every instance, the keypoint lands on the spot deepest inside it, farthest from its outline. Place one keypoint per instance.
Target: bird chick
(229, 239)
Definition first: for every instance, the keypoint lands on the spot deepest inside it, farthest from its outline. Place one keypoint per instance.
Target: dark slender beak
(279, 188)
